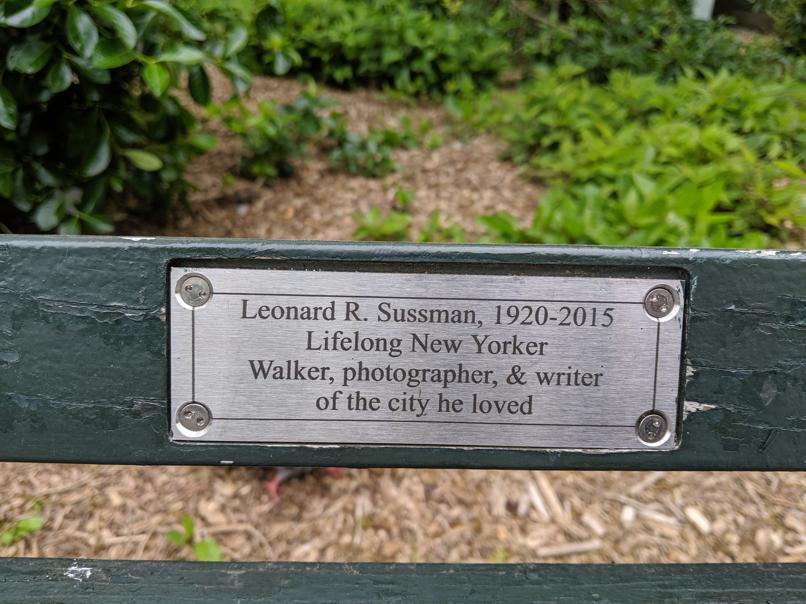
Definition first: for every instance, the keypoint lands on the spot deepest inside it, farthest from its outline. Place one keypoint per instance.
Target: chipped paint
(670, 253)
(690, 407)
(8, 357)
(758, 252)
(78, 573)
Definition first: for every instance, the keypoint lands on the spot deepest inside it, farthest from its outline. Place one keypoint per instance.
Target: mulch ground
(385, 514)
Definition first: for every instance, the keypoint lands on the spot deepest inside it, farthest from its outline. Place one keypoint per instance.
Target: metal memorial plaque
(468, 360)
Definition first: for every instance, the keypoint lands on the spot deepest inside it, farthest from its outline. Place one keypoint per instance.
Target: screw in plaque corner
(194, 290)
(193, 418)
(652, 428)
(661, 303)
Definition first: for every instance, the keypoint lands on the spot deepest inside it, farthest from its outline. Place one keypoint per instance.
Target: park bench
(100, 345)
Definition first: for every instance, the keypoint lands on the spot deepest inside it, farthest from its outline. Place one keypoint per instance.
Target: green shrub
(657, 37)
(714, 162)
(87, 110)
(382, 43)
(369, 155)
(790, 22)
(274, 135)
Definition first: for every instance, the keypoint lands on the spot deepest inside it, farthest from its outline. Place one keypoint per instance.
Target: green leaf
(6, 184)
(82, 34)
(181, 53)
(21, 529)
(199, 85)
(281, 64)
(97, 223)
(86, 70)
(157, 77)
(98, 159)
(29, 56)
(8, 109)
(207, 550)
(110, 54)
(185, 26)
(203, 141)
(93, 194)
(118, 21)
(240, 76)
(143, 159)
(790, 168)
(187, 524)
(46, 215)
(236, 41)
(35, 12)
(59, 77)
(176, 538)
(70, 227)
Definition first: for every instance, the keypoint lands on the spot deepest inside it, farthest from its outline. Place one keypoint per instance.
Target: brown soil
(395, 515)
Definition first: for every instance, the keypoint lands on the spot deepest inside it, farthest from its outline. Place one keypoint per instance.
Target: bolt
(195, 290)
(659, 302)
(652, 428)
(194, 416)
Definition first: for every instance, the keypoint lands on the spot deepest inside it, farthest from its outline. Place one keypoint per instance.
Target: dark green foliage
(380, 42)
(275, 135)
(87, 111)
(789, 17)
(395, 224)
(369, 155)
(707, 162)
(657, 37)
(375, 225)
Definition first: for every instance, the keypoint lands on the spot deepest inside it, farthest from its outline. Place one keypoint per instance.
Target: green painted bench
(68, 305)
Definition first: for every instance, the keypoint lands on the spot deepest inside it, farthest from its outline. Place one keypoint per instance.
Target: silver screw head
(652, 428)
(193, 416)
(660, 302)
(195, 290)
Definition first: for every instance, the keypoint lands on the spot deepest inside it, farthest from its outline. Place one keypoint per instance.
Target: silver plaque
(467, 360)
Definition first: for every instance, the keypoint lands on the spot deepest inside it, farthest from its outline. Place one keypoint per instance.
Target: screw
(659, 302)
(195, 290)
(652, 428)
(194, 416)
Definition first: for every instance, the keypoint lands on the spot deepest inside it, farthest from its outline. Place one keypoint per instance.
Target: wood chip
(569, 549)
(698, 519)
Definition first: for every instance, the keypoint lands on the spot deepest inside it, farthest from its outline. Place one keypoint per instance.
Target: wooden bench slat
(84, 367)
(47, 581)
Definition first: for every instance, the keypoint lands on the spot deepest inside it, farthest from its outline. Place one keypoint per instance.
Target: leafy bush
(657, 37)
(380, 42)
(395, 224)
(369, 155)
(790, 22)
(375, 225)
(714, 162)
(274, 135)
(87, 109)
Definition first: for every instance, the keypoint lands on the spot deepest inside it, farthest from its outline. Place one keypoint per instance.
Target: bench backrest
(84, 359)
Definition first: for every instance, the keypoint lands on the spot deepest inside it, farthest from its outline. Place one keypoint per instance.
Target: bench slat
(84, 367)
(46, 581)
